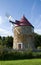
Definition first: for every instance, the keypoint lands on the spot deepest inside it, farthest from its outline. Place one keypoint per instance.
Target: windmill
(14, 23)
(23, 35)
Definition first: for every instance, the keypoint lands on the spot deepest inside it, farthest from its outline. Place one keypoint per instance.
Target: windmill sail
(10, 18)
(14, 22)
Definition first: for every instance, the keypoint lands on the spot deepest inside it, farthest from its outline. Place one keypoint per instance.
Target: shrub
(14, 55)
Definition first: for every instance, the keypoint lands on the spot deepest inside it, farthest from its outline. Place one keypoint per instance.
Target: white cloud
(1, 20)
(37, 31)
(4, 32)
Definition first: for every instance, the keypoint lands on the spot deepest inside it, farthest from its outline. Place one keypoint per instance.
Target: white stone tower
(23, 35)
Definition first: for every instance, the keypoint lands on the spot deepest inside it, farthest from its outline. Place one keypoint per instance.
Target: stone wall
(24, 35)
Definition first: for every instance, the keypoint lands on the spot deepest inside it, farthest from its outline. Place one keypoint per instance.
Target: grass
(22, 62)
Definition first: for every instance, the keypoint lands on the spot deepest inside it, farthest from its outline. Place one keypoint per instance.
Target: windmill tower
(23, 34)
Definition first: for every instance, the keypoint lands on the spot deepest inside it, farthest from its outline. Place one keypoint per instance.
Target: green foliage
(9, 41)
(3, 41)
(37, 40)
(39, 47)
(15, 55)
(6, 41)
(0, 42)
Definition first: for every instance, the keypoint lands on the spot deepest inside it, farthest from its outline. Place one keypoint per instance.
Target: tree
(0, 37)
(37, 40)
(0, 42)
(4, 42)
(9, 41)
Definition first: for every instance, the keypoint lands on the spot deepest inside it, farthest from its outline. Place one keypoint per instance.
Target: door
(19, 46)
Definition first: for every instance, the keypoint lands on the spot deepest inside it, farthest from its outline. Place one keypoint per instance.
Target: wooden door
(19, 46)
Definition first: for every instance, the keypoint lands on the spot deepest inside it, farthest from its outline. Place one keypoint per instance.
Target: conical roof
(24, 22)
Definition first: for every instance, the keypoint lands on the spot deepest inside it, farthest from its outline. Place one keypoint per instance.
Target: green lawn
(22, 62)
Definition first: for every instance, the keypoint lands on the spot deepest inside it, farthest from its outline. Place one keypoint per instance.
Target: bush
(15, 55)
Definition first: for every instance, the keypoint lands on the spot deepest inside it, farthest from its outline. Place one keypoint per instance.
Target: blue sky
(17, 8)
